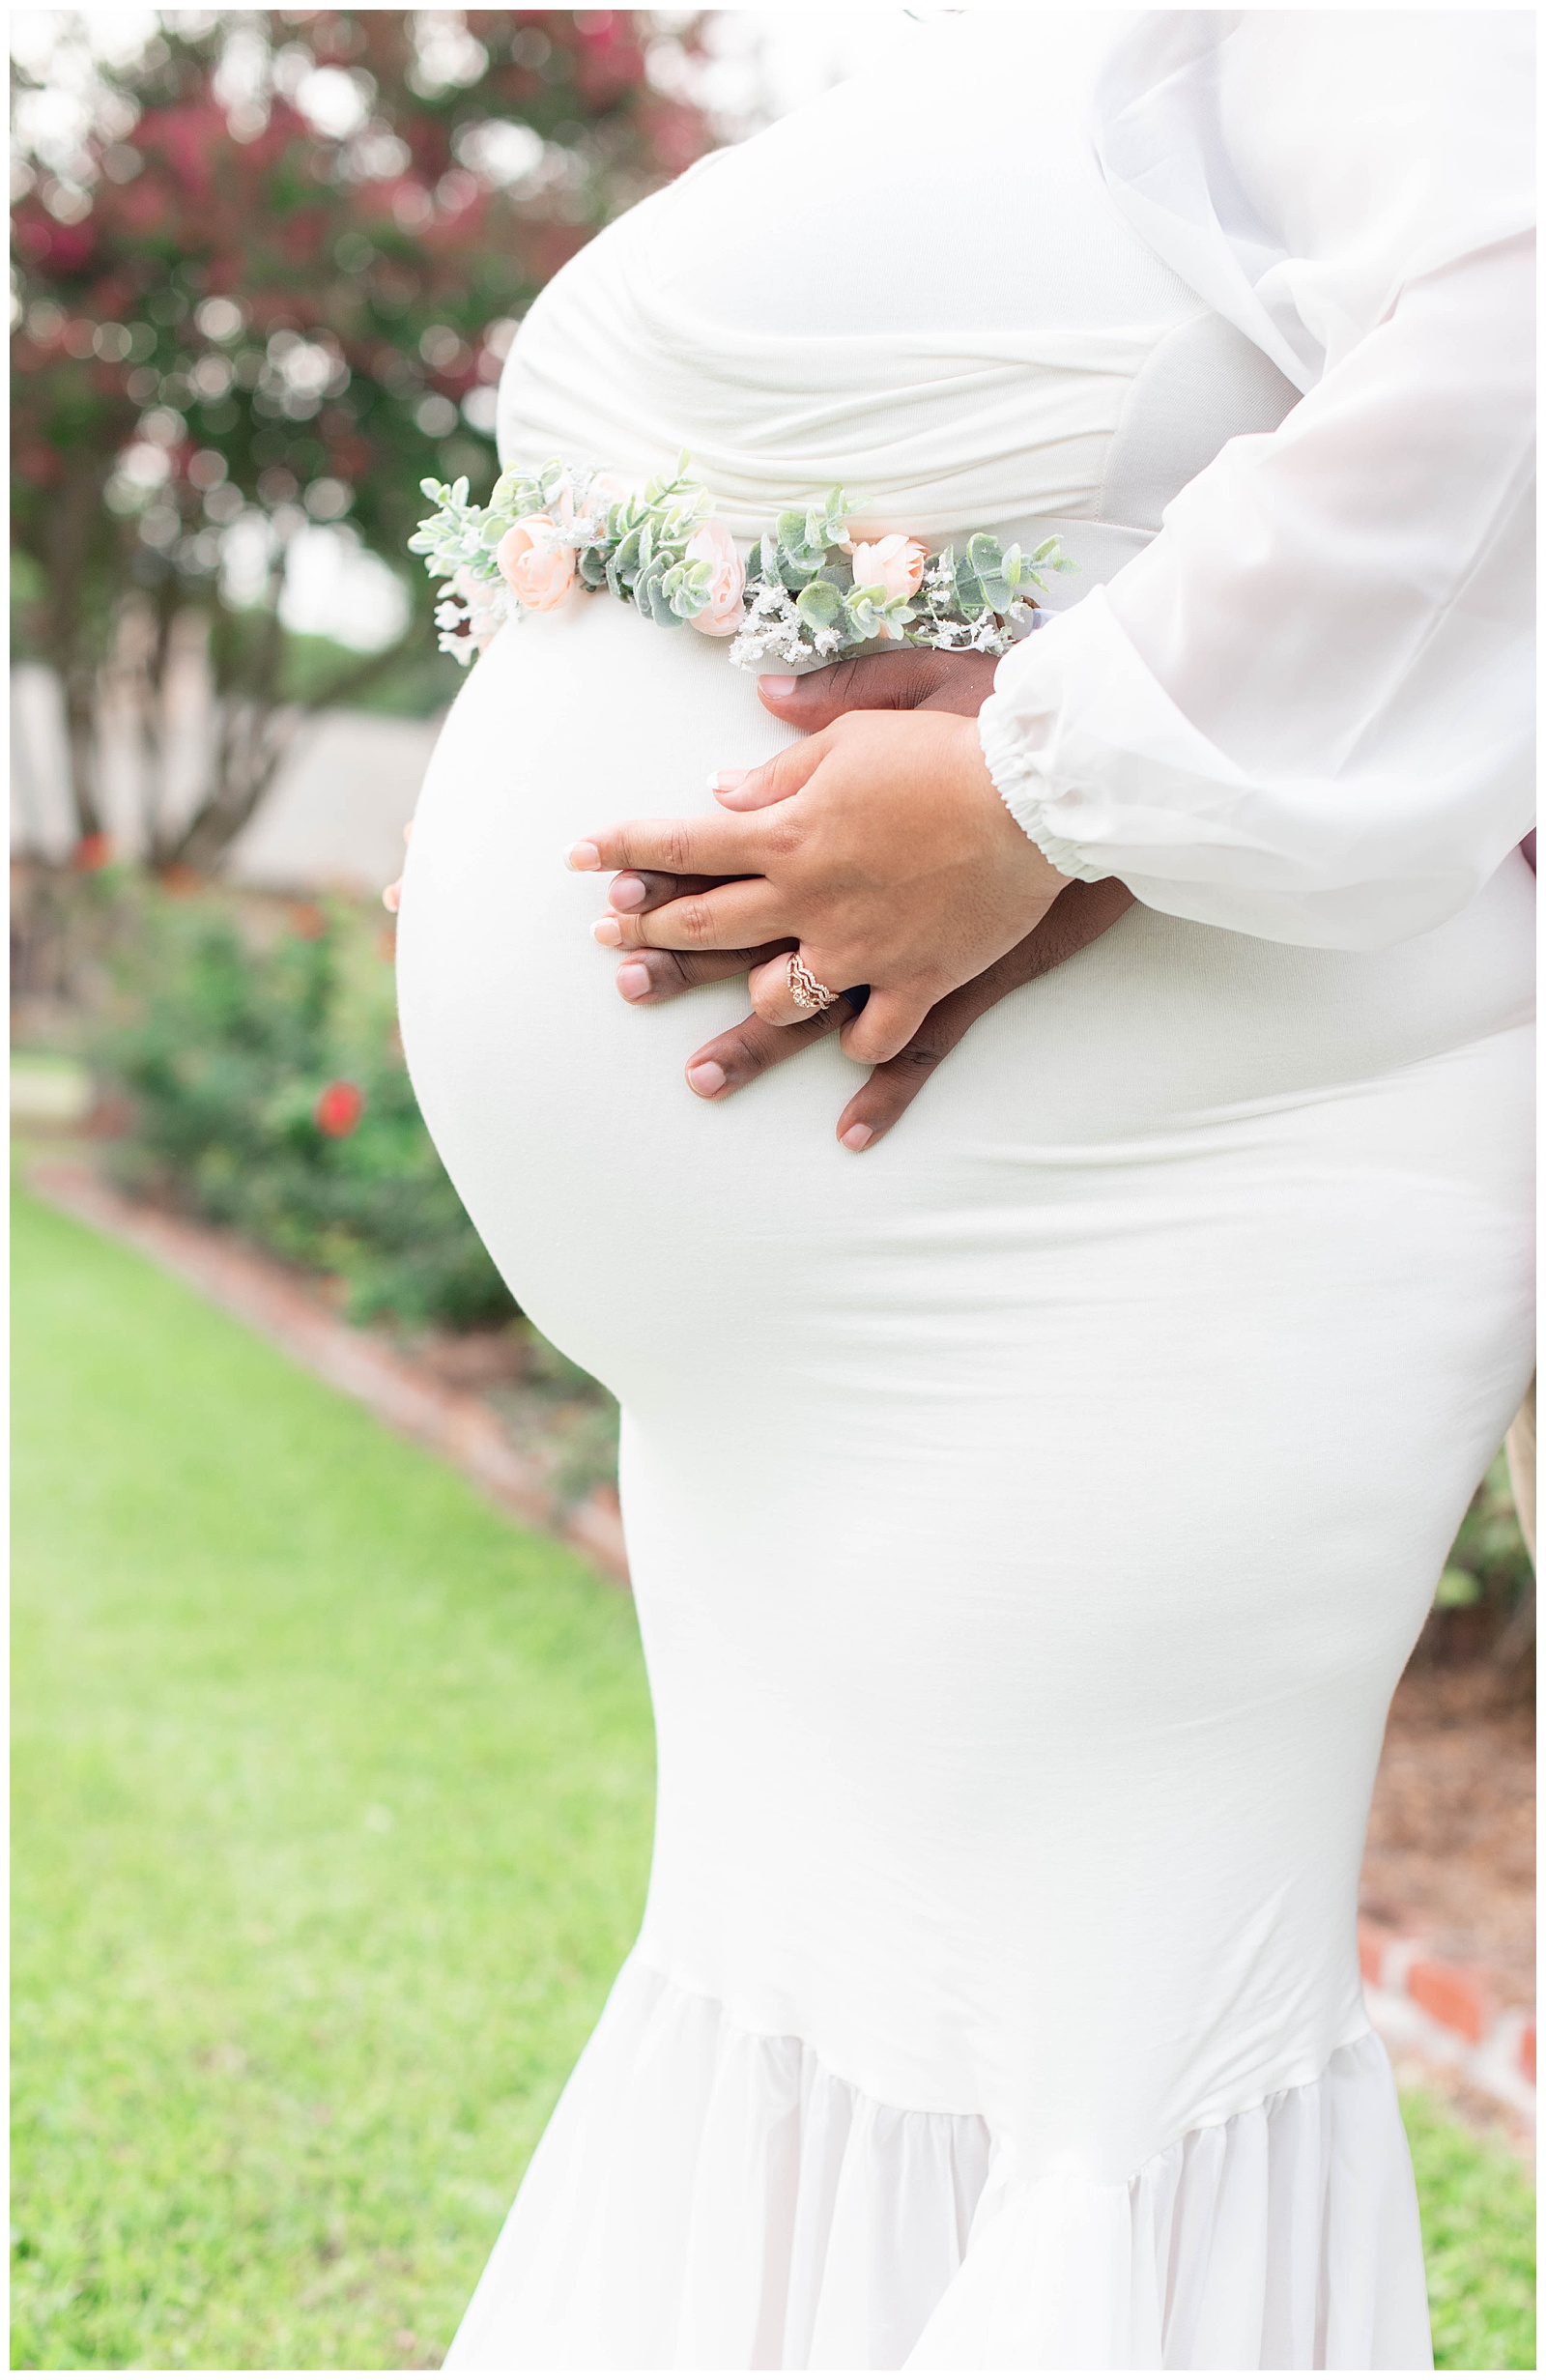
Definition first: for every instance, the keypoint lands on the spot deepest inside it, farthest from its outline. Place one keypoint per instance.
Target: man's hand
(914, 677)
(880, 846)
(732, 1060)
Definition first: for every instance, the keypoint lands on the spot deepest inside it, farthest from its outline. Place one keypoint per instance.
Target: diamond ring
(806, 992)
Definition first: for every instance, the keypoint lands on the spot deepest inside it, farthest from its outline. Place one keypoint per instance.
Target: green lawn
(333, 1800)
(332, 1804)
(1478, 2231)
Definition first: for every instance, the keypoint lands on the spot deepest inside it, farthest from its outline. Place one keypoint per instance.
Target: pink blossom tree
(266, 275)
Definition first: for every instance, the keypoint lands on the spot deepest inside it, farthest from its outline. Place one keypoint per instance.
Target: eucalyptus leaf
(969, 593)
(819, 603)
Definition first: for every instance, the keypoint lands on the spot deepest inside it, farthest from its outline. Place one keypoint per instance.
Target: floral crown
(811, 591)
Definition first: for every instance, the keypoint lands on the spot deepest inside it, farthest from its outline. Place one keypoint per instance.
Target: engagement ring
(805, 990)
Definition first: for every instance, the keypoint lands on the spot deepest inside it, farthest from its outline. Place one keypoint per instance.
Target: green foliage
(1489, 1561)
(333, 1801)
(1484, 1602)
(317, 672)
(793, 554)
(26, 592)
(1478, 2235)
(988, 578)
(223, 1043)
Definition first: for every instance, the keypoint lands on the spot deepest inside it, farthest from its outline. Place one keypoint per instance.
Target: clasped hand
(889, 859)
(879, 847)
(928, 829)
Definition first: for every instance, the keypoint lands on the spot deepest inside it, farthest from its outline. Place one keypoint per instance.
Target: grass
(1478, 2234)
(333, 1800)
(332, 1804)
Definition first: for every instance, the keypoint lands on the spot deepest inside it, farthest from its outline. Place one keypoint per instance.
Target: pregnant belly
(991, 1495)
(623, 1210)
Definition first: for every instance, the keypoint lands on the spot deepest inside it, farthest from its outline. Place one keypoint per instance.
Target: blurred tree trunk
(252, 722)
(149, 642)
(253, 729)
(74, 527)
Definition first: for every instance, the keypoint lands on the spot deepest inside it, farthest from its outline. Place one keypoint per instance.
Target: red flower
(91, 852)
(338, 1109)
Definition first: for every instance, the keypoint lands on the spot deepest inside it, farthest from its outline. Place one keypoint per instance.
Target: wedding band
(805, 990)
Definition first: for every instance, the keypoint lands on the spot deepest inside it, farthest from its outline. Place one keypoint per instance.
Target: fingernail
(633, 979)
(857, 1136)
(583, 856)
(627, 892)
(777, 687)
(608, 930)
(706, 1078)
(726, 780)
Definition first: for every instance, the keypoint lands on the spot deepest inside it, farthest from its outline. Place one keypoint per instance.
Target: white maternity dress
(1029, 1519)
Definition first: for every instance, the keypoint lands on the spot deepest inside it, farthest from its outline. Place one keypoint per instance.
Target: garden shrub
(263, 1087)
(1488, 1562)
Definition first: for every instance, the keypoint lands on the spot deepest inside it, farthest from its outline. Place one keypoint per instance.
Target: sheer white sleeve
(1305, 711)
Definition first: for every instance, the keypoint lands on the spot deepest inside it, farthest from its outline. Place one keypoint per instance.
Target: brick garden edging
(262, 1293)
(1448, 2014)
(1445, 2013)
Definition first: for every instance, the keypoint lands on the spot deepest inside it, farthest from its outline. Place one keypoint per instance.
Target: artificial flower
(724, 610)
(536, 565)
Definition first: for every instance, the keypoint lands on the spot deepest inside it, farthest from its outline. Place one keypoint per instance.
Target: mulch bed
(1452, 1850)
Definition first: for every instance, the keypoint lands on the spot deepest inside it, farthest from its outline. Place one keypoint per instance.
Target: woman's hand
(912, 679)
(879, 845)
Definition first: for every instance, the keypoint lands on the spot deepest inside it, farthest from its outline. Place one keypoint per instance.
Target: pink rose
(535, 566)
(895, 563)
(721, 616)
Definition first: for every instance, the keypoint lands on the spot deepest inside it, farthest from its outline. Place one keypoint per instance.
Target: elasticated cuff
(1025, 792)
